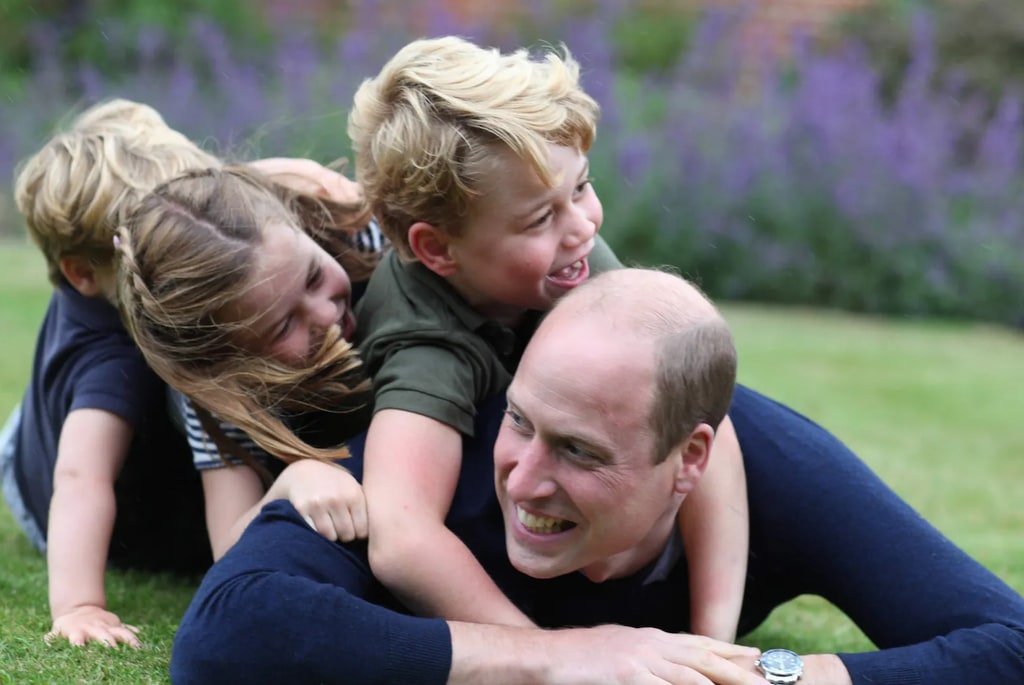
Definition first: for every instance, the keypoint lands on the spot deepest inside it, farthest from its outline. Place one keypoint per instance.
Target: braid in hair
(186, 257)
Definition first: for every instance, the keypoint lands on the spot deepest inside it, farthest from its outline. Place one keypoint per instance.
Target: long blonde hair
(185, 256)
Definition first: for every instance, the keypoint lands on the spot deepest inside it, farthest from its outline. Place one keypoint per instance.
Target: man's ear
(81, 275)
(692, 457)
(432, 247)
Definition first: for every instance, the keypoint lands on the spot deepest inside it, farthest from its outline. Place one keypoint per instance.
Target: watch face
(781, 662)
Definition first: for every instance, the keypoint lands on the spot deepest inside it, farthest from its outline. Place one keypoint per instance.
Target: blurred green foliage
(649, 38)
(810, 189)
(979, 42)
(76, 32)
(653, 40)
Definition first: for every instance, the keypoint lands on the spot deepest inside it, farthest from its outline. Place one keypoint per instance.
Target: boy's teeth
(541, 524)
(570, 271)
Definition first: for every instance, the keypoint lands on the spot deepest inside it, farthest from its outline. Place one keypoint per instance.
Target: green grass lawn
(935, 408)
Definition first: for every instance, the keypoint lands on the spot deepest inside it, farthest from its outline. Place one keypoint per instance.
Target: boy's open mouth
(572, 275)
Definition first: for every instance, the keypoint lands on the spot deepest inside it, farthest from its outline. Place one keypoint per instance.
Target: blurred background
(856, 154)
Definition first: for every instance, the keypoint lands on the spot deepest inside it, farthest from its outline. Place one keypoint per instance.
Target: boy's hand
(327, 496)
(93, 624)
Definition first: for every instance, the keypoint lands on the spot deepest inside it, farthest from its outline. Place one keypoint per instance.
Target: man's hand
(326, 495)
(93, 624)
(617, 654)
(589, 656)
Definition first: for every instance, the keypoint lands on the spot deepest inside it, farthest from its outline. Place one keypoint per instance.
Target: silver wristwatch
(781, 666)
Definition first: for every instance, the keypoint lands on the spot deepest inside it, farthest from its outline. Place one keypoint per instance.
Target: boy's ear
(431, 246)
(692, 457)
(81, 275)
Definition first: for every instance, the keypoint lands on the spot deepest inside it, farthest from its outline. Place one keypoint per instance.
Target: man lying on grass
(587, 482)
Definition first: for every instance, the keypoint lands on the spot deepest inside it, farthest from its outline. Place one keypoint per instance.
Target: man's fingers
(683, 676)
(713, 668)
(728, 650)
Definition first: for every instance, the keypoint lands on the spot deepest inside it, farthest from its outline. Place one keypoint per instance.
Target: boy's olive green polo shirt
(429, 352)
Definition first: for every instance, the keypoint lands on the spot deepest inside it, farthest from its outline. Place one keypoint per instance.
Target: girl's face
(295, 292)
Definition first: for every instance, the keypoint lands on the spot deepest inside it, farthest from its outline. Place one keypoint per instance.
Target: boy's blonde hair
(186, 255)
(85, 181)
(424, 129)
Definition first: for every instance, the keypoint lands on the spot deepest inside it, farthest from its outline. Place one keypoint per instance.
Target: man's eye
(579, 454)
(515, 418)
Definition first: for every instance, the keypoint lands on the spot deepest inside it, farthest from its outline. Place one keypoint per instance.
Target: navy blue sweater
(286, 605)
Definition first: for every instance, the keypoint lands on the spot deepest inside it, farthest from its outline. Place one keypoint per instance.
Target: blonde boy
(93, 469)
(474, 162)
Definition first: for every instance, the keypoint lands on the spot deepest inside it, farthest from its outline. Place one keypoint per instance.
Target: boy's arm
(716, 533)
(91, 451)
(411, 467)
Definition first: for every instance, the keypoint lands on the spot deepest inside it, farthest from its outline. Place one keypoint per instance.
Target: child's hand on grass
(93, 624)
(327, 496)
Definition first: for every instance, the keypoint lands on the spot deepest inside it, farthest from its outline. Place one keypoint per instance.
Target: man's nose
(530, 476)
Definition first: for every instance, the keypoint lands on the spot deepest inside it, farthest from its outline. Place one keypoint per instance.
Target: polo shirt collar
(660, 568)
(94, 313)
(507, 341)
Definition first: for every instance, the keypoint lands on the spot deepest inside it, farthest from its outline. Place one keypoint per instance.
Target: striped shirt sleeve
(205, 454)
(370, 239)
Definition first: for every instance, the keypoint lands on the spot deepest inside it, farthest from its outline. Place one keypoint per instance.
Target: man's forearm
(495, 654)
(507, 655)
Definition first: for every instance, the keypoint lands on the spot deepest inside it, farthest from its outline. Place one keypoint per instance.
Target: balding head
(690, 346)
(610, 420)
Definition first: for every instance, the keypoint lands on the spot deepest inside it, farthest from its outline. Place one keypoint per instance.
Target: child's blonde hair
(425, 127)
(187, 253)
(83, 183)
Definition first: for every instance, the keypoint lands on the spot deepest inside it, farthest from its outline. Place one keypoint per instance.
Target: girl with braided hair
(197, 254)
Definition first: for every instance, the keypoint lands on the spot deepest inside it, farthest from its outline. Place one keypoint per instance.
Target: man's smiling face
(575, 470)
